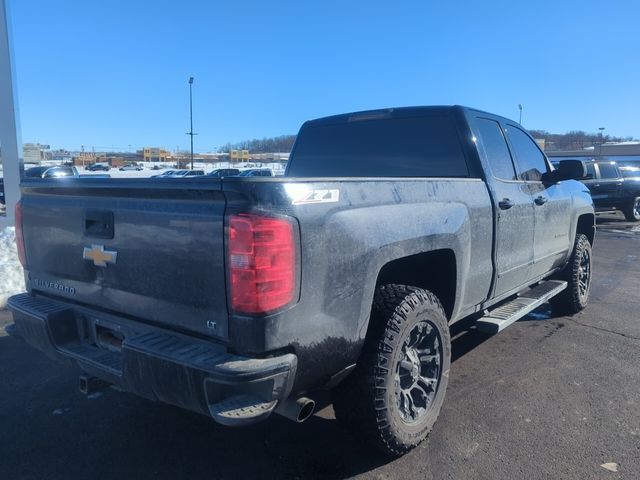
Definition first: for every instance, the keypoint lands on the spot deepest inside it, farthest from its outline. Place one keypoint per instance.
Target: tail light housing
(19, 236)
(263, 265)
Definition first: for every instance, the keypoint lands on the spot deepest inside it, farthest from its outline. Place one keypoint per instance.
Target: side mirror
(567, 170)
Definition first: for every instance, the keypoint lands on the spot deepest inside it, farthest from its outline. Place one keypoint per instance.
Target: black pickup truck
(242, 296)
(611, 190)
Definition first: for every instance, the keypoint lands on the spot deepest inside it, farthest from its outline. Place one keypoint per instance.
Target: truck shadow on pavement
(50, 429)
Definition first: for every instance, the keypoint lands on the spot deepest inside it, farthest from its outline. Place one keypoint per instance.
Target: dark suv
(610, 190)
(256, 172)
(51, 172)
(224, 172)
(98, 167)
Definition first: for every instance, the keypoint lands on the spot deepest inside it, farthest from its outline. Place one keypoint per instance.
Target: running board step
(241, 409)
(497, 320)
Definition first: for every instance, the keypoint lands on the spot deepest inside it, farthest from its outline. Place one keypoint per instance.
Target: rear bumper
(155, 363)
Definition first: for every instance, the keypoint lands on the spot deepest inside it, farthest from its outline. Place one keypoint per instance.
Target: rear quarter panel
(344, 245)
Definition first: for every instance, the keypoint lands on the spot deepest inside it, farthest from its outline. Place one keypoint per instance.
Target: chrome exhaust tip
(297, 410)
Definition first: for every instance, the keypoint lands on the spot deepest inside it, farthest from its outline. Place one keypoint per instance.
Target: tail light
(262, 263)
(19, 236)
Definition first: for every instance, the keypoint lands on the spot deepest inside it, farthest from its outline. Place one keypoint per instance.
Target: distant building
(206, 157)
(270, 157)
(239, 155)
(624, 153)
(118, 159)
(36, 153)
(84, 158)
(61, 155)
(153, 154)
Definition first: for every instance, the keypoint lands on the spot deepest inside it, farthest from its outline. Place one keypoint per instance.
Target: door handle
(505, 204)
(541, 200)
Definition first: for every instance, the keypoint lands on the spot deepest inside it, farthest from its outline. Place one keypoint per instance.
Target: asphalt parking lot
(550, 397)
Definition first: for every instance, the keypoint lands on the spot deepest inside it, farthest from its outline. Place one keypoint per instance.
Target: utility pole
(520, 108)
(191, 134)
(601, 139)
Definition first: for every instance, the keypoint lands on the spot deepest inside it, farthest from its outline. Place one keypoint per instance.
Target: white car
(131, 166)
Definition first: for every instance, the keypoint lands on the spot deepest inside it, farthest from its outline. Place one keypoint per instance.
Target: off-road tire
(575, 297)
(632, 211)
(365, 402)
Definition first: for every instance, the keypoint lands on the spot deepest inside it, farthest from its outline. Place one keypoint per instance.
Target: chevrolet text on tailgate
(237, 297)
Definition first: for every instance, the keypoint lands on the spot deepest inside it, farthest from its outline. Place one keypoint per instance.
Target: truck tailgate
(148, 249)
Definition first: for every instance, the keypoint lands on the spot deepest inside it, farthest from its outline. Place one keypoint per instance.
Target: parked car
(345, 274)
(98, 167)
(168, 173)
(130, 167)
(2, 200)
(256, 172)
(224, 172)
(51, 172)
(186, 173)
(610, 190)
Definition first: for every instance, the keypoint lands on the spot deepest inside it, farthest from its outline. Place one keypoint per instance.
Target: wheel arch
(413, 270)
(587, 225)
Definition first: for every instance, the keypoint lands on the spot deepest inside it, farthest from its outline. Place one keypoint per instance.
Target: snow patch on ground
(11, 275)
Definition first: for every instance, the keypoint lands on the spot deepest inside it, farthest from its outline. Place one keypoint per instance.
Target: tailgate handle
(98, 224)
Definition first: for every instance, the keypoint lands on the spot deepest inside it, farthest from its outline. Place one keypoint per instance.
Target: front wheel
(577, 274)
(632, 211)
(393, 397)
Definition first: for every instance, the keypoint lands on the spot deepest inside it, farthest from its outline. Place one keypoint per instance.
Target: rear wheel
(394, 396)
(577, 273)
(632, 211)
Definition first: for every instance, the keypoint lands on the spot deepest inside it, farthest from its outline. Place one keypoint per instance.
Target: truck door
(513, 206)
(592, 180)
(607, 190)
(551, 203)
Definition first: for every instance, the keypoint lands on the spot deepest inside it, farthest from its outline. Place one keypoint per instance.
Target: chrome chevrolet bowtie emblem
(99, 256)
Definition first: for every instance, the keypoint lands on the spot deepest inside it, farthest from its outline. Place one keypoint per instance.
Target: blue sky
(103, 73)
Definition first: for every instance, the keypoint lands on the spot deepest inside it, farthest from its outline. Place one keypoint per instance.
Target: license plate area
(108, 334)
(108, 339)
(97, 345)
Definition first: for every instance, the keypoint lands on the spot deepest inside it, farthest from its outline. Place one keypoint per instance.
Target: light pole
(191, 134)
(520, 108)
(601, 139)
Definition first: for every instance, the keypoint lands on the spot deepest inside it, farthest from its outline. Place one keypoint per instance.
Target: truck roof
(394, 112)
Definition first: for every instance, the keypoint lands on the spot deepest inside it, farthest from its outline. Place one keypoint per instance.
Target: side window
(591, 170)
(531, 164)
(607, 170)
(496, 150)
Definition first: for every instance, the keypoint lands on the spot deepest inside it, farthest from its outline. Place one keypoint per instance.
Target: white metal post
(10, 141)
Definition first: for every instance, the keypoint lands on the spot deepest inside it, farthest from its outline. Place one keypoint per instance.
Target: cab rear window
(424, 146)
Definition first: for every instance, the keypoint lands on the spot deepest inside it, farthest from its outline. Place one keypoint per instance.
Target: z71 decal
(317, 196)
